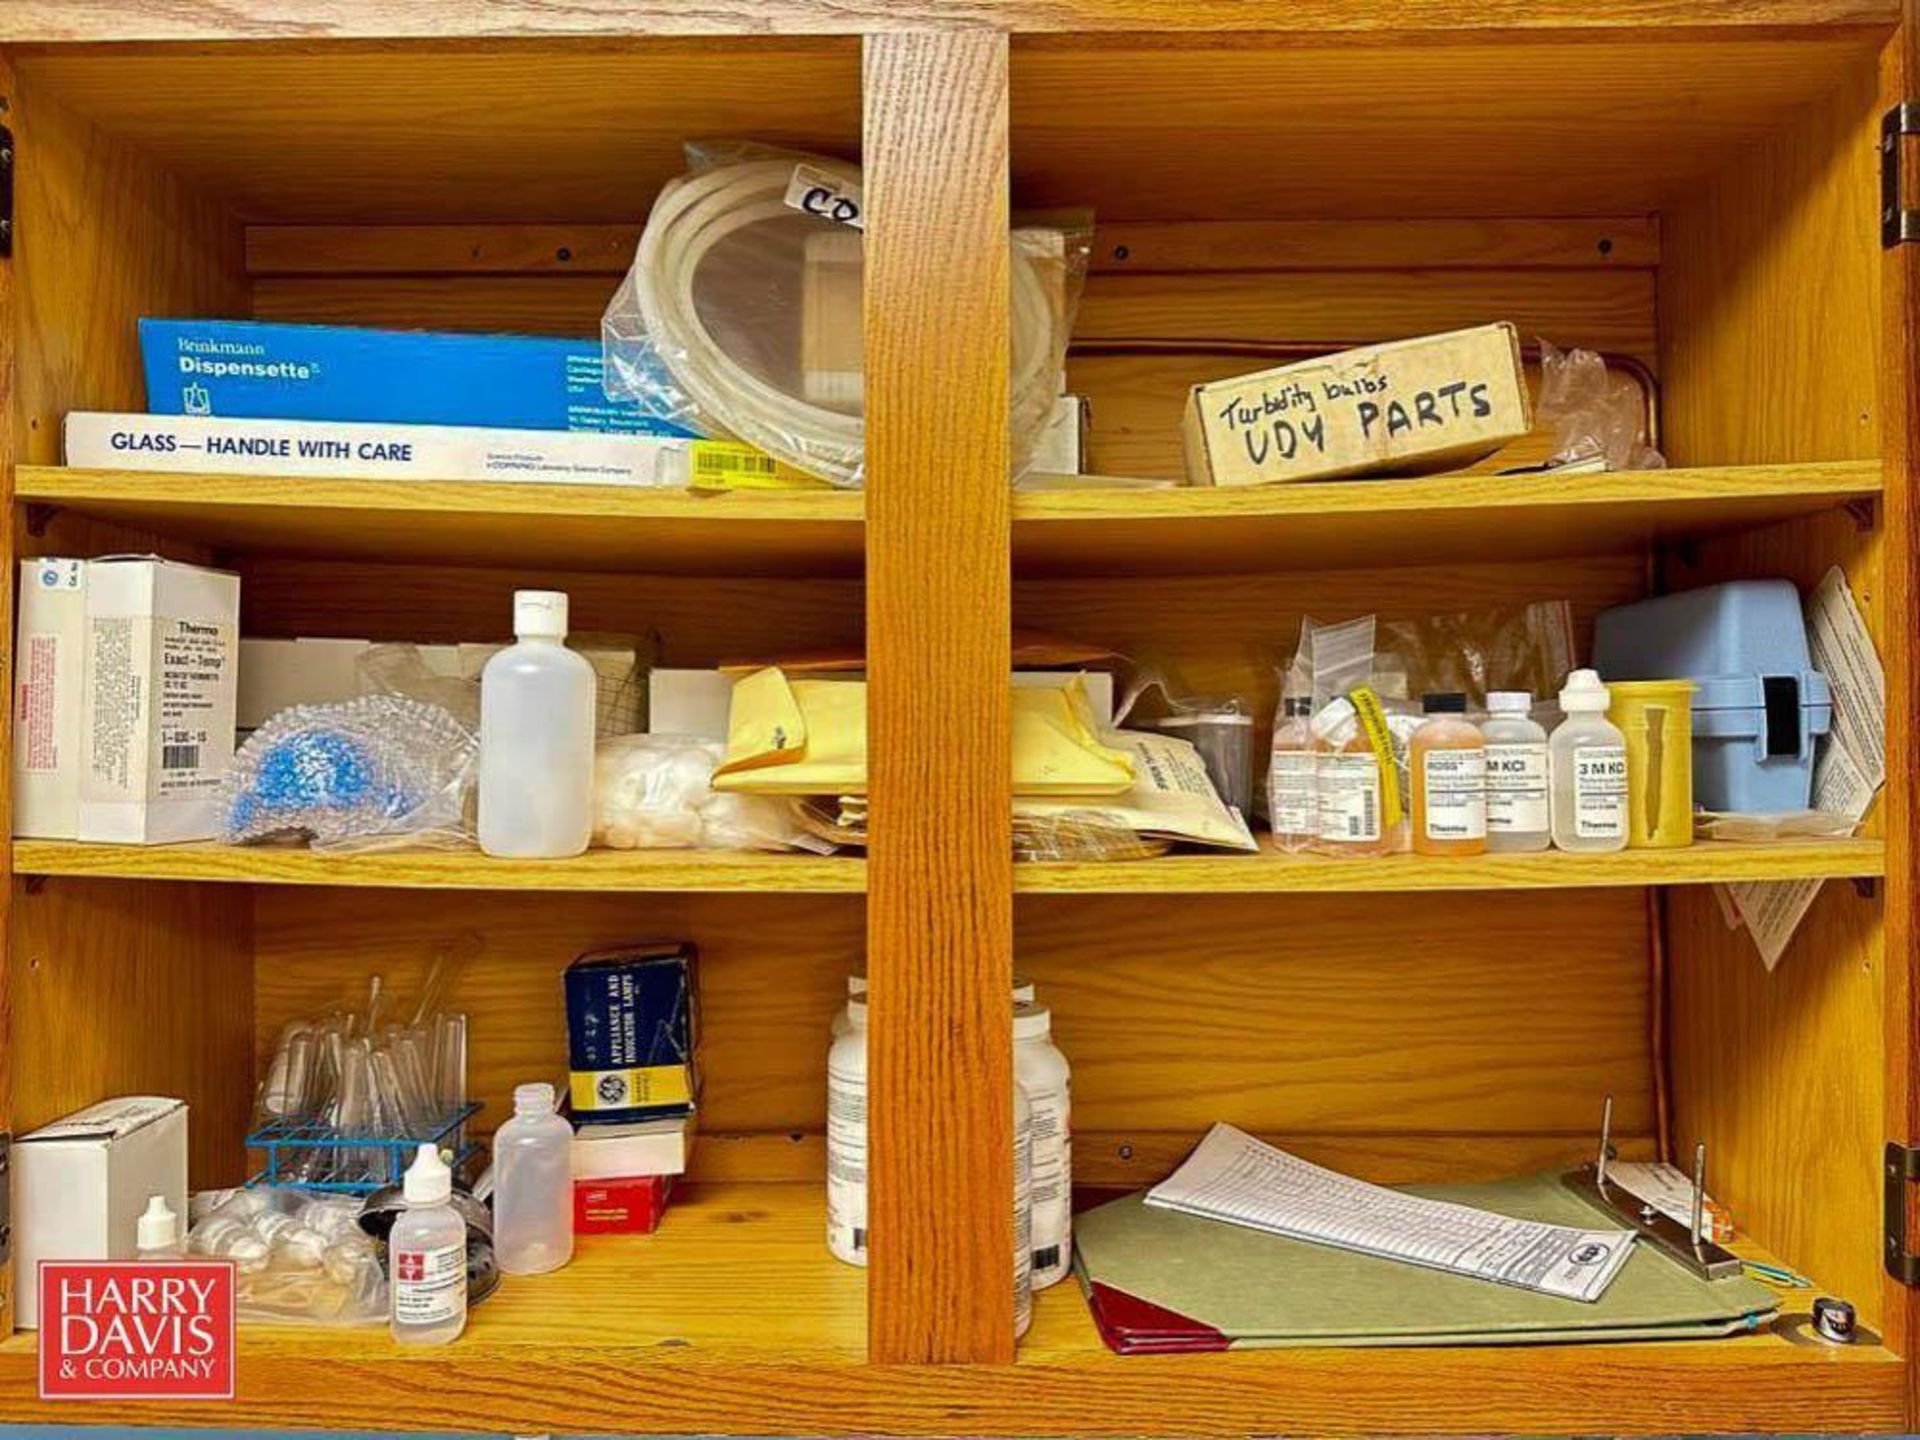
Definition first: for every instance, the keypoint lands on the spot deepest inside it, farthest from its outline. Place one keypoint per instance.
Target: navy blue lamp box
(633, 1030)
(1759, 706)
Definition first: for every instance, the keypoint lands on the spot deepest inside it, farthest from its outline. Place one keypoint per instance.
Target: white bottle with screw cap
(533, 1186)
(1517, 810)
(1588, 757)
(536, 738)
(847, 1139)
(157, 1236)
(1043, 1073)
(427, 1257)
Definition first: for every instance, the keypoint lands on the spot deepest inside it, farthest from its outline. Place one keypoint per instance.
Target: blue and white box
(249, 370)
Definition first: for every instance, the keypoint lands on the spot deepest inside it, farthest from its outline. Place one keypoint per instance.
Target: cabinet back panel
(772, 972)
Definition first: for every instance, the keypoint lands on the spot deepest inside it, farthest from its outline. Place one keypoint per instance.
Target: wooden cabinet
(1694, 189)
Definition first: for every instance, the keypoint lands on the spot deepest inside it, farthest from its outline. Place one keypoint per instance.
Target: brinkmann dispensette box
(1432, 403)
(633, 1029)
(158, 701)
(80, 1184)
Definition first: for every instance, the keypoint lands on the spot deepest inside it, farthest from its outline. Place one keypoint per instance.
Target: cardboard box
(1061, 447)
(158, 700)
(80, 1184)
(269, 371)
(278, 674)
(604, 1150)
(49, 668)
(631, 1206)
(697, 702)
(633, 1030)
(1433, 403)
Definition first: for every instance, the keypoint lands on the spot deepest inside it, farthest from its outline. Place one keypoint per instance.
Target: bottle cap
(1032, 1022)
(159, 1227)
(533, 1099)
(1834, 1320)
(856, 984)
(429, 1181)
(540, 614)
(1584, 694)
(1509, 702)
(1023, 990)
(1296, 705)
(857, 1012)
(1327, 723)
(1444, 702)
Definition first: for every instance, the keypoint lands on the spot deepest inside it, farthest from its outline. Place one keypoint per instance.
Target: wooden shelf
(1270, 872)
(733, 1318)
(573, 527)
(1333, 524)
(1273, 872)
(1180, 529)
(603, 870)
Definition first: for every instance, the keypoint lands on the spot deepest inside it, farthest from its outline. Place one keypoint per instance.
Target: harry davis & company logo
(119, 1330)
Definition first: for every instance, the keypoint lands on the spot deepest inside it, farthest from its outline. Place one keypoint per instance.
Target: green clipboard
(1252, 1289)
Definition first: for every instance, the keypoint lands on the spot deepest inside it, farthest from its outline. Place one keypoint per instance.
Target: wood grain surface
(940, 908)
(43, 21)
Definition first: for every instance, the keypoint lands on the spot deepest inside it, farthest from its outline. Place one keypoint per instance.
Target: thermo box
(158, 699)
(80, 1184)
(633, 1026)
(253, 370)
(49, 668)
(1432, 403)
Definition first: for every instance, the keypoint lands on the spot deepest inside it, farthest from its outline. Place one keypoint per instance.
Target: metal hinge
(1897, 223)
(6, 192)
(1902, 1169)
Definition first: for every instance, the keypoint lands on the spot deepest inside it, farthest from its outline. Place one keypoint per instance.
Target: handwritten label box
(1431, 403)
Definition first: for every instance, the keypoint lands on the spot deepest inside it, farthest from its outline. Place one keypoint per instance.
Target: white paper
(1843, 651)
(1841, 785)
(1235, 1178)
(1773, 910)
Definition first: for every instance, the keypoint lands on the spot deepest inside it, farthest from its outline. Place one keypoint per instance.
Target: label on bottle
(1291, 799)
(429, 1286)
(1348, 794)
(847, 1163)
(1517, 788)
(1052, 1183)
(1455, 782)
(1022, 1228)
(1600, 792)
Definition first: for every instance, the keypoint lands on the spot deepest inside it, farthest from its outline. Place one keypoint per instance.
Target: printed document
(1235, 1178)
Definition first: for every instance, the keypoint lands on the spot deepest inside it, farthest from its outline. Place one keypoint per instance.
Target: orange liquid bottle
(1448, 757)
(1348, 818)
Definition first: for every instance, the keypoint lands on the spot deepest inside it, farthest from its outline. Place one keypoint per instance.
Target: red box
(620, 1207)
(134, 1330)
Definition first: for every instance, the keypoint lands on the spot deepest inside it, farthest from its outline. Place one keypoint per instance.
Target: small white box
(1061, 446)
(697, 702)
(49, 663)
(159, 699)
(640, 1147)
(80, 1184)
(277, 675)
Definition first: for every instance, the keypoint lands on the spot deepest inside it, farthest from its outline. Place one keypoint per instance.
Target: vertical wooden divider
(940, 886)
(12, 442)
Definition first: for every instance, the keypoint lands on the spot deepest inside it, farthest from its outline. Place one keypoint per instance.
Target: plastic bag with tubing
(1596, 413)
(375, 773)
(655, 792)
(740, 317)
(299, 1257)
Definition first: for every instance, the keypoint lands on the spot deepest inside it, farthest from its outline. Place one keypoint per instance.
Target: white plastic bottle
(1588, 758)
(157, 1236)
(1517, 816)
(533, 1186)
(427, 1258)
(536, 737)
(1022, 1211)
(847, 1139)
(1044, 1074)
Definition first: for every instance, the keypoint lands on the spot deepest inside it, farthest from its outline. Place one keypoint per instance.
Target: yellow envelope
(809, 737)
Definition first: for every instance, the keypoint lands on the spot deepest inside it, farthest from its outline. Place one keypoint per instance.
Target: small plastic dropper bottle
(157, 1236)
(1588, 757)
(1449, 764)
(427, 1257)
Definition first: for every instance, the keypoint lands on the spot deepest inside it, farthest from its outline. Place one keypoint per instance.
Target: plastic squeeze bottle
(1588, 758)
(533, 1186)
(1516, 775)
(1291, 800)
(427, 1257)
(1348, 792)
(157, 1236)
(1448, 757)
(536, 737)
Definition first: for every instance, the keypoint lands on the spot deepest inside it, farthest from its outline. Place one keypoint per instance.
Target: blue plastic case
(1759, 704)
